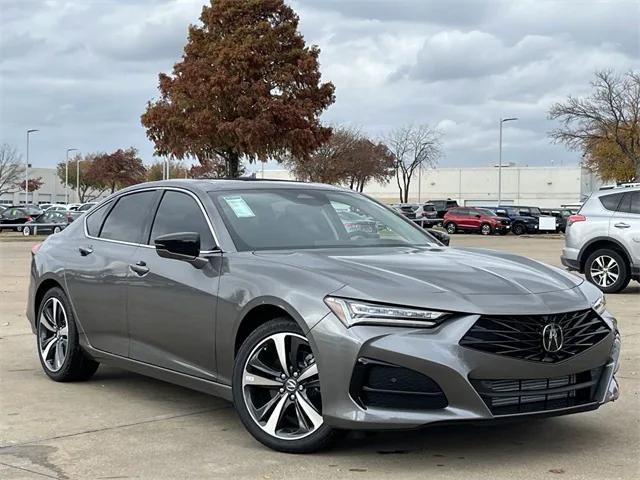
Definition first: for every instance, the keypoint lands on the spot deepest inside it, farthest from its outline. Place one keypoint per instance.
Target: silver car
(256, 291)
(603, 239)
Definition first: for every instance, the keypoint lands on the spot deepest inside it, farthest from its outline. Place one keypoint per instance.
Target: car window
(265, 219)
(179, 212)
(630, 203)
(95, 219)
(611, 202)
(126, 220)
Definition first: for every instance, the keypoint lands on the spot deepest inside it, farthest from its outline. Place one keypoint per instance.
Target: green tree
(247, 87)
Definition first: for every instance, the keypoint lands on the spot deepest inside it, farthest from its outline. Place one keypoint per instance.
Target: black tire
(26, 231)
(485, 229)
(519, 229)
(602, 257)
(319, 439)
(77, 366)
(57, 229)
(451, 228)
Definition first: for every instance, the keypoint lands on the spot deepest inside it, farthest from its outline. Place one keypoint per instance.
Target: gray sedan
(256, 291)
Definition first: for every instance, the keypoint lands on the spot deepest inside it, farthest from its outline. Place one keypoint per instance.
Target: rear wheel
(276, 389)
(485, 229)
(57, 229)
(60, 354)
(518, 229)
(451, 228)
(608, 270)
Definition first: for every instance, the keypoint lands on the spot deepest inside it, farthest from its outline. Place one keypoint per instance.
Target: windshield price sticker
(239, 207)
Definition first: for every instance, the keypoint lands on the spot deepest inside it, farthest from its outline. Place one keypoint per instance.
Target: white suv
(603, 239)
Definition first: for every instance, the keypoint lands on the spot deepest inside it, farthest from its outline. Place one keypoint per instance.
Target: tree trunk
(233, 164)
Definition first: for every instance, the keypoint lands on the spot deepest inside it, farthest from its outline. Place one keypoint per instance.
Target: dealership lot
(121, 425)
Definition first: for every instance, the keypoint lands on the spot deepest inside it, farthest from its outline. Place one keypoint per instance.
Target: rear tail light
(576, 218)
(35, 248)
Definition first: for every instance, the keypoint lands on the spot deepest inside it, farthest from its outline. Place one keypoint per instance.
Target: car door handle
(84, 251)
(622, 225)
(140, 268)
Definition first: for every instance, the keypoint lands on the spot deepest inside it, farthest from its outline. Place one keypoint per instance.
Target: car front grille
(505, 222)
(521, 336)
(510, 397)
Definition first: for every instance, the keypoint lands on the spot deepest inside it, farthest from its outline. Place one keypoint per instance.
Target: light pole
(502, 120)
(78, 178)
(26, 170)
(66, 175)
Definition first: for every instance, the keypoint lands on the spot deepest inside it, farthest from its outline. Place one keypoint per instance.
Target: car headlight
(356, 312)
(600, 305)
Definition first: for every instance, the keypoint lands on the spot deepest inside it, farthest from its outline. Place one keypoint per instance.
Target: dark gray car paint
(188, 336)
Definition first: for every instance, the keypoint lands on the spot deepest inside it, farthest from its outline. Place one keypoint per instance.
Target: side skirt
(159, 373)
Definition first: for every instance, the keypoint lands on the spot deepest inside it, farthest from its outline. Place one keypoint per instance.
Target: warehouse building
(539, 186)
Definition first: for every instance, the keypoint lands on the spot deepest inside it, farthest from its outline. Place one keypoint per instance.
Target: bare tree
(11, 169)
(412, 147)
(609, 117)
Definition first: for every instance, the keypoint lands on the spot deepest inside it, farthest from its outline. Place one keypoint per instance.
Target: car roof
(612, 191)
(208, 185)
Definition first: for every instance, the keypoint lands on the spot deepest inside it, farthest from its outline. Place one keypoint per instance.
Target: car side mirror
(183, 246)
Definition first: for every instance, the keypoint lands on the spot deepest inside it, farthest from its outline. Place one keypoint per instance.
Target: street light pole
(502, 120)
(78, 178)
(66, 175)
(26, 170)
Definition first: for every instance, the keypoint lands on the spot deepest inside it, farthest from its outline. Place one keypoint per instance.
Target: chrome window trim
(177, 189)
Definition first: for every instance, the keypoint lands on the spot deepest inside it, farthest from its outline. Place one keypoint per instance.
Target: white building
(537, 186)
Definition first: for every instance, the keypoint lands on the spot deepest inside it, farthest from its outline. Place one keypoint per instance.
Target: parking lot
(122, 425)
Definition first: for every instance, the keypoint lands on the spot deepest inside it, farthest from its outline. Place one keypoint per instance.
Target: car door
(624, 225)
(172, 303)
(98, 268)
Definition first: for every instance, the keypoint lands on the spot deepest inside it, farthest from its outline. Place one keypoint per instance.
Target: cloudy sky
(82, 71)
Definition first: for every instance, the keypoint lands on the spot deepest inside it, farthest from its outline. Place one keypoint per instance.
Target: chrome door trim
(177, 189)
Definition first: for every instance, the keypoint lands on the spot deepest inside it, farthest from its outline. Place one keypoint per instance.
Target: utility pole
(66, 176)
(26, 170)
(502, 120)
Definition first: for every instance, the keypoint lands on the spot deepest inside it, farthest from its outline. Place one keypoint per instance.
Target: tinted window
(610, 202)
(178, 212)
(127, 219)
(630, 203)
(95, 219)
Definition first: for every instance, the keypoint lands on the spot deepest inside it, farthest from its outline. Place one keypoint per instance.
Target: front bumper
(436, 353)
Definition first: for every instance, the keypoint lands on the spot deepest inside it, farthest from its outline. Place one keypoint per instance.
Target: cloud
(82, 71)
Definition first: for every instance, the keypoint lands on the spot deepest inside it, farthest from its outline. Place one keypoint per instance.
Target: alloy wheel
(56, 229)
(281, 388)
(53, 334)
(26, 231)
(605, 271)
(486, 229)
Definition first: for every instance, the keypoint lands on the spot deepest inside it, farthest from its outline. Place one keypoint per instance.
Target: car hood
(471, 280)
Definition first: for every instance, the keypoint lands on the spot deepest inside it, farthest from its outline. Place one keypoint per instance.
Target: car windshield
(270, 219)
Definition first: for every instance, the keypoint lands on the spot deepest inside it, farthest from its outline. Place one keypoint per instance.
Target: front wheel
(276, 389)
(485, 229)
(57, 229)
(451, 228)
(26, 231)
(518, 229)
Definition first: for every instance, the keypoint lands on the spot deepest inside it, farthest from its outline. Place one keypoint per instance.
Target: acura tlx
(315, 310)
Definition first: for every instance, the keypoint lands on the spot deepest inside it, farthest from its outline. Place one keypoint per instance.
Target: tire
(607, 270)
(519, 229)
(57, 229)
(57, 332)
(18, 229)
(26, 231)
(311, 433)
(451, 228)
(485, 229)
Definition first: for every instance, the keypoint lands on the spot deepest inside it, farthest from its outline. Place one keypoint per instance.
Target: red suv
(476, 219)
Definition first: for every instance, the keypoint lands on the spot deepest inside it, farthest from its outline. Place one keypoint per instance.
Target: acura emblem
(552, 337)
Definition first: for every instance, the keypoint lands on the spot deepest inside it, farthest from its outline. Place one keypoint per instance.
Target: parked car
(443, 206)
(602, 239)
(58, 207)
(408, 210)
(427, 215)
(475, 219)
(86, 206)
(19, 215)
(48, 222)
(255, 291)
(561, 216)
(520, 222)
